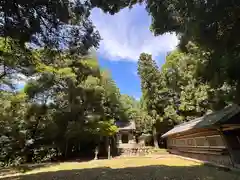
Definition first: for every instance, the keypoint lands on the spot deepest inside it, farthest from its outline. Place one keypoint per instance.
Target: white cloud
(126, 34)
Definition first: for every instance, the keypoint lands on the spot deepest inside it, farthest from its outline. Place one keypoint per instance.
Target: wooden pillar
(109, 151)
(108, 147)
(120, 138)
(229, 149)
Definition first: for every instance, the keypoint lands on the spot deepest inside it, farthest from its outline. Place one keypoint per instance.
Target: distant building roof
(215, 118)
(126, 125)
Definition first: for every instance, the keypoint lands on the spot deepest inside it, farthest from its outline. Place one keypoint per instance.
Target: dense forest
(68, 103)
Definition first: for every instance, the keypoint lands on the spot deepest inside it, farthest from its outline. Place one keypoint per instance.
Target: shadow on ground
(136, 173)
(29, 167)
(22, 168)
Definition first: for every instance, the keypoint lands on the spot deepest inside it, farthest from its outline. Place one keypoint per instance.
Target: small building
(126, 134)
(214, 137)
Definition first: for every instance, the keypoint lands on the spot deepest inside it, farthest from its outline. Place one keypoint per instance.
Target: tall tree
(154, 95)
(179, 72)
(149, 74)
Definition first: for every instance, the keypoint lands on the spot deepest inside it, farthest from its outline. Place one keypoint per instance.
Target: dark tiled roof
(215, 118)
(126, 125)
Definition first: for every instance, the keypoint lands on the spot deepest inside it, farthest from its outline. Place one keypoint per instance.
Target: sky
(125, 36)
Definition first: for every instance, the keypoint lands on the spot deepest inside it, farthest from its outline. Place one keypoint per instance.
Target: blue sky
(124, 36)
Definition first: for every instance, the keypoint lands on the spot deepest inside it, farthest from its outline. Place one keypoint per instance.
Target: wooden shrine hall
(214, 137)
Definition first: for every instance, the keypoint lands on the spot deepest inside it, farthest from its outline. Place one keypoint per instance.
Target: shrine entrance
(126, 135)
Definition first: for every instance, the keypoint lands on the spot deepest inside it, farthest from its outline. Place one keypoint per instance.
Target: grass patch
(170, 168)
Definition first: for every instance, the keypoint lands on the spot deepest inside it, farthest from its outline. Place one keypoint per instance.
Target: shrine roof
(213, 119)
(126, 125)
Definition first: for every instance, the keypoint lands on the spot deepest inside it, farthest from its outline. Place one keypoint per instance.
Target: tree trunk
(155, 139)
(29, 156)
(108, 148)
(66, 149)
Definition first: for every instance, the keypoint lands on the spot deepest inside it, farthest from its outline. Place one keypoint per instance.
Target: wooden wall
(202, 144)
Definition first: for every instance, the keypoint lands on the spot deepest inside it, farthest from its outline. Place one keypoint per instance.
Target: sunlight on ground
(169, 168)
(117, 163)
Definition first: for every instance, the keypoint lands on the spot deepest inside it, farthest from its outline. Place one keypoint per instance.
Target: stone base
(218, 159)
(127, 145)
(138, 151)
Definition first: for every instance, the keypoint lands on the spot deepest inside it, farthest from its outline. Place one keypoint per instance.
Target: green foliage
(178, 92)
(155, 95)
(49, 23)
(29, 27)
(135, 113)
(212, 26)
(23, 127)
(13, 62)
(149, 74)
(191, 93)
(175, 94)
(69, 103)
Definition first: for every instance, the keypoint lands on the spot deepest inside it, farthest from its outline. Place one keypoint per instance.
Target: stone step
(141, 151)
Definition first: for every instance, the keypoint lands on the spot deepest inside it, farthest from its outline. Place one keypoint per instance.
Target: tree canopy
(177, 92)
(69, 104)
(53, 26)
(48, 22)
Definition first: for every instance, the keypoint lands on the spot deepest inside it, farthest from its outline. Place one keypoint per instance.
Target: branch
(4, 72)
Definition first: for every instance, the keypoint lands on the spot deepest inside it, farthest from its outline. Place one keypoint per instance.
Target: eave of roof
(126, 126)
(206, 121)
